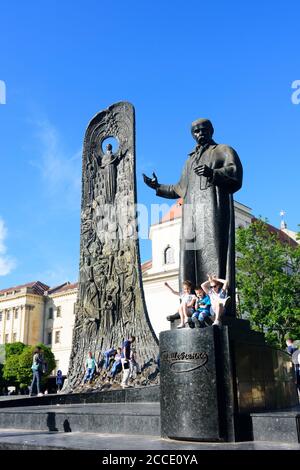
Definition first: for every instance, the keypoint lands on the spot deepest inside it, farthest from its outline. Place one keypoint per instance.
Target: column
(22, 324)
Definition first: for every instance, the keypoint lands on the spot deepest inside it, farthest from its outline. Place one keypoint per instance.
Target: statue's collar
(199, 149)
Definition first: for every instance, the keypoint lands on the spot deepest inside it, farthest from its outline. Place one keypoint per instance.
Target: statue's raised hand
(152, 182)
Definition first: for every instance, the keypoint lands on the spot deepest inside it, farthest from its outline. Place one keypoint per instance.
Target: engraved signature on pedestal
(185, 362)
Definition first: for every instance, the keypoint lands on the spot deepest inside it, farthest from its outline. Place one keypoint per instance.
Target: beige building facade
(33, 313)
(59, 317)
(21, 313)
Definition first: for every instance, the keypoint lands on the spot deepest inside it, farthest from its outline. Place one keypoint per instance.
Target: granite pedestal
(213, 378)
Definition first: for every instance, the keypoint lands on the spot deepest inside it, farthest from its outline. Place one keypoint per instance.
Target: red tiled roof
(36, 286)
(174, 213)
(146, 265)
(283, 237)
(63, 287)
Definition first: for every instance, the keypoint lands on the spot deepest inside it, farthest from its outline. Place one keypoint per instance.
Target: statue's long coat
(207, 243)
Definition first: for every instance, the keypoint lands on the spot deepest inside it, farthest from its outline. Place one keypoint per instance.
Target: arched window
(169, 255)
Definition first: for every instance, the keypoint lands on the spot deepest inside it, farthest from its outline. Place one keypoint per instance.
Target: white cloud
(62, 173)
(7, 264)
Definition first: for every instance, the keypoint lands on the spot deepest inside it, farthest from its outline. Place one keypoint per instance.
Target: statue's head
(202, 131)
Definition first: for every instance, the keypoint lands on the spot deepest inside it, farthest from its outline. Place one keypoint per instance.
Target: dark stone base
(130, 395)
(277, 426)
(113, 418)
(217, 385)
(213, 378)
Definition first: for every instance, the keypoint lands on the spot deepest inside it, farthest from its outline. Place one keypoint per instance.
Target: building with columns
(22, 313)
(33, 313)
(59, 318)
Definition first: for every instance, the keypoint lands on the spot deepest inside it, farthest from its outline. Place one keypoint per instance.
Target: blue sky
(63, 61)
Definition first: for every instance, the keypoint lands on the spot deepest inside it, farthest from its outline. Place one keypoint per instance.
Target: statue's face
(202, 134)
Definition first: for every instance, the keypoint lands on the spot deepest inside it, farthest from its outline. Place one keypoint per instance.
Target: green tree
(268, 281)
(17, 368)
(10, 368)
(14, 348)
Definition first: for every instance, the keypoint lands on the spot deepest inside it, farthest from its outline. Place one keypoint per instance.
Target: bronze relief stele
(110, 305)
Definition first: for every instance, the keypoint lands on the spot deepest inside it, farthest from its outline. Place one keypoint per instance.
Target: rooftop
(35, 287)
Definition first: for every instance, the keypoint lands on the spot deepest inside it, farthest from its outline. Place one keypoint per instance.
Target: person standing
(126, 350)
(212, 173)
(37, 367)
(134, 367)
(59, 380)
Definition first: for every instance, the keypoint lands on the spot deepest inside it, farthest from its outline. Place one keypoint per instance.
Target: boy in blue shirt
(202, 308)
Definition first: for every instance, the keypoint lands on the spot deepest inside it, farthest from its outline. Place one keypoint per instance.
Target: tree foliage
(10, 368)
(268, 282)
(17, 368)
(14, 348)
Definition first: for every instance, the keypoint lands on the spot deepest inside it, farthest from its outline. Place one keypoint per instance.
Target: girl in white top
(217, 290)
(187, 302)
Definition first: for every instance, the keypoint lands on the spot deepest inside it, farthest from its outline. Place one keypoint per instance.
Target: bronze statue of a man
(212, 173)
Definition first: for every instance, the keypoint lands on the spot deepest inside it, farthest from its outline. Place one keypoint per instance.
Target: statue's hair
(204, 121)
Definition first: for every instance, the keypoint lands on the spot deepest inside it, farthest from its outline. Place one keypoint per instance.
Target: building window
(16, 314)
(8, 316)
(14, 337)
(169, 255)
(6, 339)
(57, 337)
(49, 338)
(50, 313)
(58, 311)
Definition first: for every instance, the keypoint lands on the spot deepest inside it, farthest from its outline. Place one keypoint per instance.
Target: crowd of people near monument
(114, 361)
(206, 305)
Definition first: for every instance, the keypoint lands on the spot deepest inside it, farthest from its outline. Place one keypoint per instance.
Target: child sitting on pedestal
(202, 308)
(187, 302)
(217, 289)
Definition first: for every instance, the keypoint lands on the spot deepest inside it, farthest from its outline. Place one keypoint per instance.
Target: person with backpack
(37, 368)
